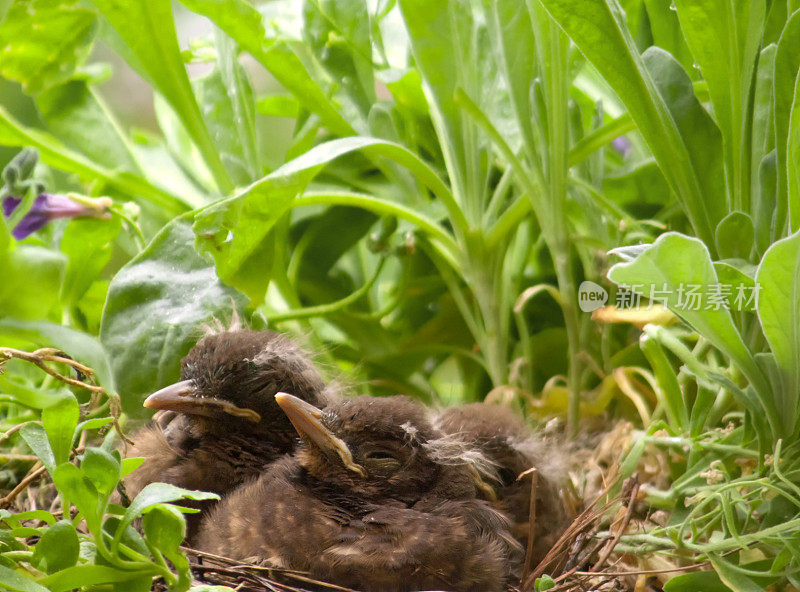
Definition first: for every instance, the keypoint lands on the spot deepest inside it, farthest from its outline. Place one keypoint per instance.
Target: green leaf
(74, 114)
(36, 438)
(58, 548)
(148, 324)
(704, 581)
(79, 576)
(16, 581)
(88, 243)
(130, 464)
(44, 41)
(665, 110)
(59, 421)
(732, 576)
(31, 281)
(669, 389)
(724, 38)
(787, 67)
(148, 29)
(670, 268)
(80, 346)
(241, 21)
(35, 398)
(165, 527)
(102, 468)
(226, 98)
(75, 486)
(160, 493)
(338, 33)
(778, 277)
(735, 236)
(233, 230)
(792, 158)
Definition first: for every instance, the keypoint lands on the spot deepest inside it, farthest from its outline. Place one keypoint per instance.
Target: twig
(604, 554)
(51, 354)
(36, 471)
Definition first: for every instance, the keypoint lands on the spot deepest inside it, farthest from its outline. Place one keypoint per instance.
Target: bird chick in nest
(220, 425)
(501, 436)
(365, 503)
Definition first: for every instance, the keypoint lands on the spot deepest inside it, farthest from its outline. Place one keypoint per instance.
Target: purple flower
(622, 145)
(47, 207)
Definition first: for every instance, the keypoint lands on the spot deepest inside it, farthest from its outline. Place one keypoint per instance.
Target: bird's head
(374, 447)
(229, 381)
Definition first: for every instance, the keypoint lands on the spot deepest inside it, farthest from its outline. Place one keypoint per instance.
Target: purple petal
(46, 207)
(622, 145)
(10, 204)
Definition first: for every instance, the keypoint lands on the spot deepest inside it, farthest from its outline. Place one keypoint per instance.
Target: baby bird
(509, 444)
(220, 425)
(368, 502)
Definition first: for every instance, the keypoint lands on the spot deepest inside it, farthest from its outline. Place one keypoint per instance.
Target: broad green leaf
(733, 577)
(31, 281)
(241, 21)
(78, 345)
(155, 309)
(59, 421)
(58, 548)
(57, 155)
(703, 581)
(778, 278)
(36, 439)
(787, 67)
(765, 203)
(735, 236)
(79, 576)
(724, 37)
(165, 527)
(102, 468)
(88, 243)
(78, 489)
(233, 230)
(598, 28)
(148, 28)
(44, 41)
(74, 114)
(17, 582)
(673, 269)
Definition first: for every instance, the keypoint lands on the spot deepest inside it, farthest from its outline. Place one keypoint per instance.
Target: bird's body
(220, 426)
(365, 504)
(510, 445)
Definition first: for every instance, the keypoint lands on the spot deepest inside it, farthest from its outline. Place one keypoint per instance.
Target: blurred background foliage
(416, 190)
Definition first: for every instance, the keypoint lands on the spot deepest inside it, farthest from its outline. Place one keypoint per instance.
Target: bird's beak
(306, 420)
(182, 397)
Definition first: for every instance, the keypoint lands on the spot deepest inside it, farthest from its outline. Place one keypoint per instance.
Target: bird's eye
(379, 455)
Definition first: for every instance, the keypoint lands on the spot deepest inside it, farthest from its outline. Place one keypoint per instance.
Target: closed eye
(380, 455)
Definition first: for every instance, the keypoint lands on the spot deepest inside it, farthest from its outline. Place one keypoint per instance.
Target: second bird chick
(367, 503)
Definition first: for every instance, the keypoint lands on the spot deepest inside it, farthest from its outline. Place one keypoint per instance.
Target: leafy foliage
(454, 171)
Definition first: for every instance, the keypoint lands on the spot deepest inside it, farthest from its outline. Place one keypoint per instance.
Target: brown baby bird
(502, 436)
(220, 425)
(373, 499)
